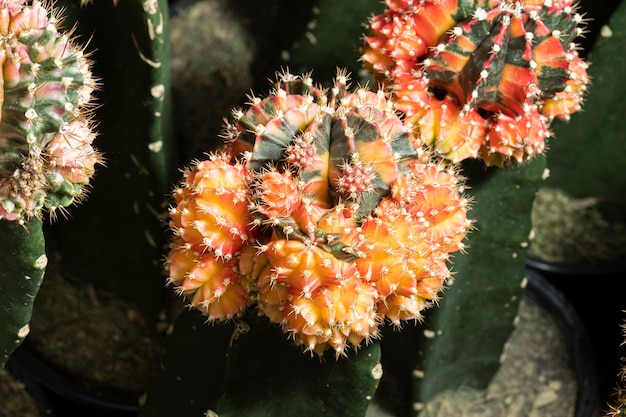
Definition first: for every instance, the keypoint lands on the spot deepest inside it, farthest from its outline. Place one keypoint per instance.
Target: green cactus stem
(274, 386)
(247, 369)
(23, 261)
(463, 338)
(116, 239)
(592, 143)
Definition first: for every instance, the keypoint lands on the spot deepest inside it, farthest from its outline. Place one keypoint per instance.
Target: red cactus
(484, 59)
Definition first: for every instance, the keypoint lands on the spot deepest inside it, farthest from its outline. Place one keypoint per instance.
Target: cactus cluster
(46, 153)
(480, 78)
(322, 211)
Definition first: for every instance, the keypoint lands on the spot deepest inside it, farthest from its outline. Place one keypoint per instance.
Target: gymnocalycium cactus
(268, 225)
(47, 158)
(46, 153)
(322, 209)
(480, 79)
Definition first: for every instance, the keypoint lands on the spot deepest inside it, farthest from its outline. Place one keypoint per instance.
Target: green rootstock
(252, 370)
(116, 237)
(267, 377)
(22, 265)
(464, 336)
(193, 368)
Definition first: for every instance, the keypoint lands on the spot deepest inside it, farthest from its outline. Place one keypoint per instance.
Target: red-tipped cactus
(46, 153)
(482, 78)
(330, 216)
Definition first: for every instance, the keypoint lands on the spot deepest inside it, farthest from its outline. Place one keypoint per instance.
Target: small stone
(546, 396)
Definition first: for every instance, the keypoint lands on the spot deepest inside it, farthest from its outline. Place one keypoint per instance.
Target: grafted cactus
(46, 153)
(323, 210)
(47, 158)
(480, 79)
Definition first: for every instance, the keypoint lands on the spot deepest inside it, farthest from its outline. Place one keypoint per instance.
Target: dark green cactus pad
(116, 239)
(260, 374)
(332, 39)
(588, 155)
(193, 369)
(463, 337)
(22, 265)
(267, 376)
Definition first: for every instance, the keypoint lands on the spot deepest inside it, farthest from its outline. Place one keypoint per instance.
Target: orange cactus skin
(492, 57)
(315, 296)
(279, 194)
(454, 134)
(516, 138)
(212, 207)
(212, 284)
(569, 101)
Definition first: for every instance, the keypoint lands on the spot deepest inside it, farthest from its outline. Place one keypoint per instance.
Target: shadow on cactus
(323, 212)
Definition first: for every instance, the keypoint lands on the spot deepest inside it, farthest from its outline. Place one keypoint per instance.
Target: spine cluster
(46, 153)
(480, 78)
(322, 211)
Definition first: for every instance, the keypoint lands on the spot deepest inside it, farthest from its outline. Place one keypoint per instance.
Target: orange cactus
(352, 222)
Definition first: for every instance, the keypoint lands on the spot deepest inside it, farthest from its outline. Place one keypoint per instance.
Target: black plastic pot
(553, 301)
(68, 397)
(597, 295)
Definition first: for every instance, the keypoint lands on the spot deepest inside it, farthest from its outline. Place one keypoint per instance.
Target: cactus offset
(211, 224)
(480, 79)
(353, 222)
(46, 153)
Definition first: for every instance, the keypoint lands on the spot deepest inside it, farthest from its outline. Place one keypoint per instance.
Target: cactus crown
(336, 219)
(46, 157)
(346, 147)
(480, 78)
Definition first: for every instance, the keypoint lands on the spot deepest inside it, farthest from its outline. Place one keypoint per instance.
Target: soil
(536, 379)
(570, 230)
(95, 337)
(15, 401)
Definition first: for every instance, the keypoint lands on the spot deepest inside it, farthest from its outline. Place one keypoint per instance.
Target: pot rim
(552, 300)
(568, 268)
(60, 384)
